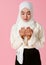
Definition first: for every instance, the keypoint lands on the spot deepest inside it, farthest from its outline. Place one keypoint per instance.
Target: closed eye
(22, 12)
(28, 12)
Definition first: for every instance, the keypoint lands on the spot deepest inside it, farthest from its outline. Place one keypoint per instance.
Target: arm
(15, 40)
(40, 38)
(37, 40)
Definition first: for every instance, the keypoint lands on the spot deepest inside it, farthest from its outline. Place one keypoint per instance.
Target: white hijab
(21, 23)
(28, 5)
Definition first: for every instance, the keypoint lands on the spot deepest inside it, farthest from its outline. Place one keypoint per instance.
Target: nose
(25, 17)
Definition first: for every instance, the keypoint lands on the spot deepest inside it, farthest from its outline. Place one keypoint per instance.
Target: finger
(28, 27)
(22, 28)
(19, 30)
(31, 30)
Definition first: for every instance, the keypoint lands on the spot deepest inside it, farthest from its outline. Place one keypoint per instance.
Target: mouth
(25, 19)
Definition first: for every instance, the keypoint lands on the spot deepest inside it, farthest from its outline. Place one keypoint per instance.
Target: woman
(27, 36)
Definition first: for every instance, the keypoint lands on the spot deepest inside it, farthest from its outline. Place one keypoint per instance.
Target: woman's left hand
(28, 32)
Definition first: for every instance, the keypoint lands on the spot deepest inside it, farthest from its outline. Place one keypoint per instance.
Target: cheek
(22, 16)
(29, 16)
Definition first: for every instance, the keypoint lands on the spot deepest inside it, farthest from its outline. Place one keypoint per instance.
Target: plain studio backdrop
(8, 16)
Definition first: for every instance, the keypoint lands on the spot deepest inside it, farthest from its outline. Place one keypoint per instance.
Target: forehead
(25, 10)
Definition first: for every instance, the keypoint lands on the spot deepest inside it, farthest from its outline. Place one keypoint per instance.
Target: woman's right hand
(22, 32)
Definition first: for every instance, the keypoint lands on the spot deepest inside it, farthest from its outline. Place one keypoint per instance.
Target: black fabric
(16, 62)
(30, 57)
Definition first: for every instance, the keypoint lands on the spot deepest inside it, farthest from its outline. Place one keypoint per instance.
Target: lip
(25, 19)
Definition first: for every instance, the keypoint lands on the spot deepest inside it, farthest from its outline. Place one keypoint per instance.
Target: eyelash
(28, 13)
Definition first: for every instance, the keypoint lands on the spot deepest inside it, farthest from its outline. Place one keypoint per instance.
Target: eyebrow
(27, 11)
(22, 11)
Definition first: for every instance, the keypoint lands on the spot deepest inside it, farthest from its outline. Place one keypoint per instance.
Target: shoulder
(13, 26)
(38, 25)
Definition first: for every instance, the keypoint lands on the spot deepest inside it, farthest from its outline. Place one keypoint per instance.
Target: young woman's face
(26, 14)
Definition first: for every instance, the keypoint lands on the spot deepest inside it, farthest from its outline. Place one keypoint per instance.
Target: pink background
(8, 16)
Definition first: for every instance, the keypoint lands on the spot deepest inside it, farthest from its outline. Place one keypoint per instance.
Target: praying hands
(26, 32)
